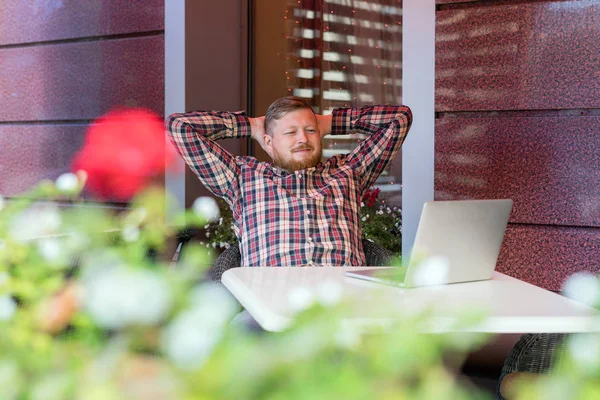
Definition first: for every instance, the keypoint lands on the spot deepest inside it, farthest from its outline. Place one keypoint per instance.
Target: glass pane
(334, 53)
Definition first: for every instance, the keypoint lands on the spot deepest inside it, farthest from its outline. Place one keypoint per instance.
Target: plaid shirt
(307, 217)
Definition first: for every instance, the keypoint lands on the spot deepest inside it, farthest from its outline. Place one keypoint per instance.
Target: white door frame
(418, 85)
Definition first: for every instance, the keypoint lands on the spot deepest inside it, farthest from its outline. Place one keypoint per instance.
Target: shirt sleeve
(194, 135)
(386, 128)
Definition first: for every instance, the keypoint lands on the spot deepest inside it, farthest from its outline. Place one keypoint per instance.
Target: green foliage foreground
(87, 311)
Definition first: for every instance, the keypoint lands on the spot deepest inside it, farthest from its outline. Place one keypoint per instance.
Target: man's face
(295, 143)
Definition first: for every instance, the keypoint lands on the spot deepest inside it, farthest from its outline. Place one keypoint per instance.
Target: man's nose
(302, 136)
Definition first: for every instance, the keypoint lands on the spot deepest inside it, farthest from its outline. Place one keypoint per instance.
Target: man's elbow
(173, 123)
(406, 116)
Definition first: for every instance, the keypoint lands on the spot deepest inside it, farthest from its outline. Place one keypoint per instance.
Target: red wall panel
(547, 255)
(526, 56)
(30, 153)
(454, 1)
(36, 21)
(81, 80)
(549, 166)
(518, 88)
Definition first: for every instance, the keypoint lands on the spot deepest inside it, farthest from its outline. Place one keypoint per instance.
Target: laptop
(456, 241)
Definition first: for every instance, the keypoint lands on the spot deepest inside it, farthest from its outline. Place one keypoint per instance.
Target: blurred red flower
(124, 151)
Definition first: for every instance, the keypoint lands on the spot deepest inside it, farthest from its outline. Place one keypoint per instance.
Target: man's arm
(258, 133)
(324, 124)
(193, 135)
(386, 127)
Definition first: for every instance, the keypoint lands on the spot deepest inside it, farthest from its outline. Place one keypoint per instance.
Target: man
(297, 210)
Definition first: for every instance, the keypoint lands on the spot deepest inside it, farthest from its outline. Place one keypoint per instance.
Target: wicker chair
(232, 258)
(534, 353)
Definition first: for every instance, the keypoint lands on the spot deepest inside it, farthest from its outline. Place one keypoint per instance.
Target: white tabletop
(511, 306)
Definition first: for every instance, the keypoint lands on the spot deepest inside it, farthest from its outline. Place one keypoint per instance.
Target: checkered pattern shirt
(307, 217)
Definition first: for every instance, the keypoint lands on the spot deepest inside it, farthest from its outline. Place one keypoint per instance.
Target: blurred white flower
(300, 298)
(97, 262)
(68, 182)
(137, 216)
(556, 389)
(52, 250)
(130, 233)
(35, 222)
(329, 293)
(51, 387)
(11, 381)
(584, 348)
(191, 337)
(432, 271)
(7, 307)
(7, 304)
(76, 241)
(118, 297)
(188, 340)
(347, 336)
(4, 277)
(583, 287)
(206, 207)
(214, 302)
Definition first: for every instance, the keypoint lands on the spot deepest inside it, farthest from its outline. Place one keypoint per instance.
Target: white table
(512, 306)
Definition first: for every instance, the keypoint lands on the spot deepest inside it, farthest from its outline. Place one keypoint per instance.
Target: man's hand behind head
(258, 132)
(324, 122)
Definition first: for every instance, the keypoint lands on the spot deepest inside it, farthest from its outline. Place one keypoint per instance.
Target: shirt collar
(279, 171)
(283, 173)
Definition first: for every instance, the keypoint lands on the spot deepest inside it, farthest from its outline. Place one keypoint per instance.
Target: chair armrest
(534, 353)
(230, 258)
(376, 255)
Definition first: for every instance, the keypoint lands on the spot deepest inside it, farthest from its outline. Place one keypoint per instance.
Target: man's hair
(282, 106)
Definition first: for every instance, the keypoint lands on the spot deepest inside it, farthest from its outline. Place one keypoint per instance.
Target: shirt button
(307, 212)
(300, 176)
(309, 239)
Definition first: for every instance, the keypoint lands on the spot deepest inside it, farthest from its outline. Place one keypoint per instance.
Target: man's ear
(268, 147)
